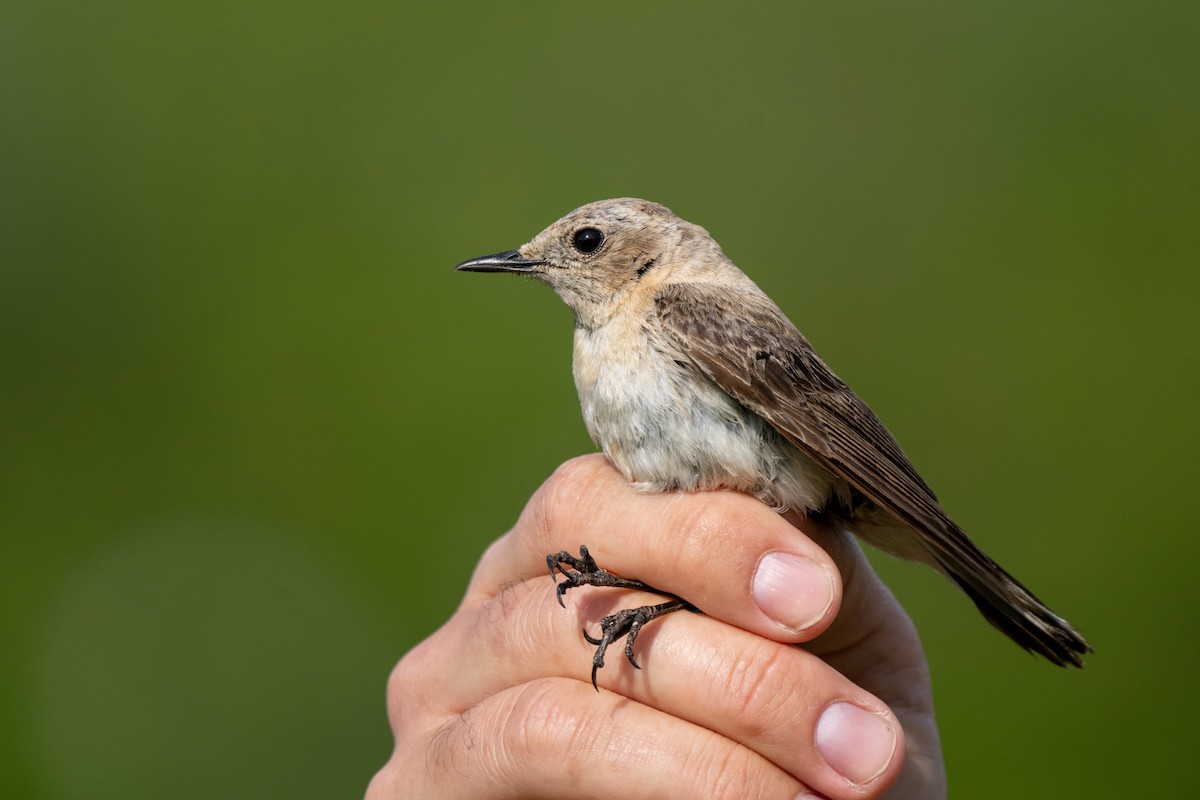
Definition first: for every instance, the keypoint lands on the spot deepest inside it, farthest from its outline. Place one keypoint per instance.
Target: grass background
(254, 430)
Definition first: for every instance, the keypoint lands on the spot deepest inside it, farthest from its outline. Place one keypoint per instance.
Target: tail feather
(1017, 613)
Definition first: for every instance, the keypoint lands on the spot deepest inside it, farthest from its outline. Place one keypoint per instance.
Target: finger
(783, 702)
(779, 701)
(555, 738)
(872, 638)
(875, 642)
(726, 553)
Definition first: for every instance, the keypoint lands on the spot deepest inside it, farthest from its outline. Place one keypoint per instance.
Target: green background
(254, 431)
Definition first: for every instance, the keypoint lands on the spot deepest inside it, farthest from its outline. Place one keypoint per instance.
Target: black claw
(582, 570)
(629, 640)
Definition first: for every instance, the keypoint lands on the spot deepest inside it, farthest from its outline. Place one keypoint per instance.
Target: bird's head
(600, 254)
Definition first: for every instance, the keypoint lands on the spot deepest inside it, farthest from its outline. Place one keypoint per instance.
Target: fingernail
(855, 742)
(793, 590)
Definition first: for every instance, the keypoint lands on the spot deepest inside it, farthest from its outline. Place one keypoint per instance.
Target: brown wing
(746, 345)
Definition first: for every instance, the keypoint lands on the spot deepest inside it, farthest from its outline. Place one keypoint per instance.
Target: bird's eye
(587, 240)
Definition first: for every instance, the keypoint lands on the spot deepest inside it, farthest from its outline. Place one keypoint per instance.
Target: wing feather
(744, 343)
(758, 357)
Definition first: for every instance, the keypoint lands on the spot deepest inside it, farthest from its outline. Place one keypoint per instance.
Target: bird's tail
(927, 534)
(1015, 610)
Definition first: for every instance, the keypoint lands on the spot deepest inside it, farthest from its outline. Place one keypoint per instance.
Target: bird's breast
(662, 422)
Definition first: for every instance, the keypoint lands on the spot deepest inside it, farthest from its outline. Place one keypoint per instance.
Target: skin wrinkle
(486, 625)
(732, 774)
(529, 720)
(523, 637)
(752, 682)
(708, 523)
(692, 665)
(443, 749)
(713, 520)
(718, 672)
(601, 745)
(755, 688)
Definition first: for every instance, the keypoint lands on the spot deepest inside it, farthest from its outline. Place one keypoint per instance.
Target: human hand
(498, 702)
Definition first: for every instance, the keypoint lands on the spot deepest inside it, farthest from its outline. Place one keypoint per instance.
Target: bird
(691, 378)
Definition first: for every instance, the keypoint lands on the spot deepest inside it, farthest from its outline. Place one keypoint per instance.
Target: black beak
(508, 261)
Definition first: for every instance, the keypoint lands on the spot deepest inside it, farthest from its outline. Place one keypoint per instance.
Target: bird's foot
(582, 570)
(627, 623)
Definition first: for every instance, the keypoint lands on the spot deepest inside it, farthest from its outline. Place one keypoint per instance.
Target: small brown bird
(691, 378)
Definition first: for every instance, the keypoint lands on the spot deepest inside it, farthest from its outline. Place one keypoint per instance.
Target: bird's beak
(508, 261)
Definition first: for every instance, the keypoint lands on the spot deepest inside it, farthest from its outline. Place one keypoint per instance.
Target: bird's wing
(744, 343)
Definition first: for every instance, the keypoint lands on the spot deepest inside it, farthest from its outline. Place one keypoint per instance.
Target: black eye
(587, 240)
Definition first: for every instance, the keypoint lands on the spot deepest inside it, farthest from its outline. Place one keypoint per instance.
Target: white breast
(665, 425)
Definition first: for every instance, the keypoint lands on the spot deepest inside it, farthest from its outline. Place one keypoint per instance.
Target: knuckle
(537, 732)
(385, 783)
(713, 522)
(534, 730)
(404, 683)
(754, 686)
(732, 775)
(730, 771)
(512, 624)
(559, 498)
(538, 722)
(407, 672)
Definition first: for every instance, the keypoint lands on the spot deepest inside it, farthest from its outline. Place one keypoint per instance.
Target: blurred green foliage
(254, 431)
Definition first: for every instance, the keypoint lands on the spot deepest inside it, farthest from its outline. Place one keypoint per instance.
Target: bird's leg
(627, 623)
(583, 571)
